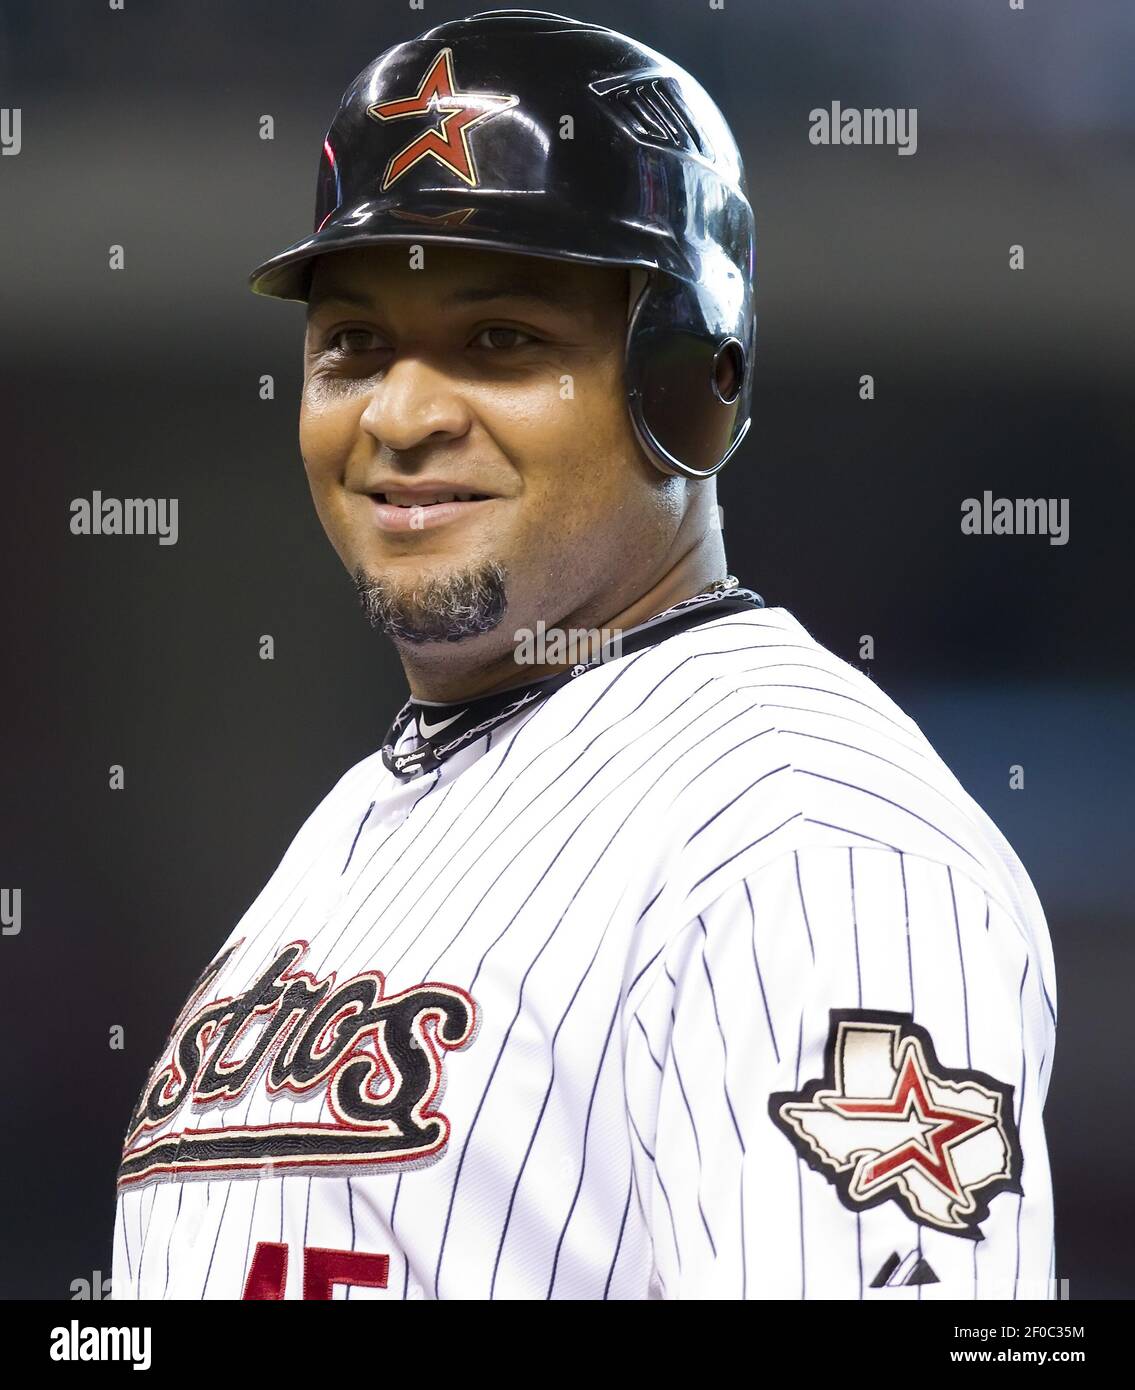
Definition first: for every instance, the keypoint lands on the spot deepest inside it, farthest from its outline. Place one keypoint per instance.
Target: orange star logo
(459, 113)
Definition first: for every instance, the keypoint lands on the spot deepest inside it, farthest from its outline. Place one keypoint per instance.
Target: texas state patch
(887, 1122)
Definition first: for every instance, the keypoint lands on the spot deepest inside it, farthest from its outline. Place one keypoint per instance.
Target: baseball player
(655, 954)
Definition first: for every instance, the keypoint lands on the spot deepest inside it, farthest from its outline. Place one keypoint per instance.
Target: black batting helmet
(517, 130)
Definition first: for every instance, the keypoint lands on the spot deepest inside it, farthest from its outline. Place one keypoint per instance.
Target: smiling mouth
(408, 500)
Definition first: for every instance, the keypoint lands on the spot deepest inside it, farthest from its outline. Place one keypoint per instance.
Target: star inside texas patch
(888, 1122)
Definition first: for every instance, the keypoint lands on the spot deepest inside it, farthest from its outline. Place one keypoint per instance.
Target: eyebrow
(514, 286)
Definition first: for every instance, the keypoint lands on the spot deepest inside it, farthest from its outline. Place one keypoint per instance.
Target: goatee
(445, 609)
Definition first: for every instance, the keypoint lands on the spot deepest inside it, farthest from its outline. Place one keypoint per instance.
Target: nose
(411, 403)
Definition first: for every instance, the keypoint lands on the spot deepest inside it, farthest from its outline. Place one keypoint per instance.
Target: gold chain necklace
(721, 586)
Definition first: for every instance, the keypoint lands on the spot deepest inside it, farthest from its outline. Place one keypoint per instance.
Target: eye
(351, 349)
(496, 345)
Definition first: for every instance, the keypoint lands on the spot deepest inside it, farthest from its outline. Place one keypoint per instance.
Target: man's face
(484, 376)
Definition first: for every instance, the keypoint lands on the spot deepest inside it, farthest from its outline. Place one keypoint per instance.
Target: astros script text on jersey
(703, 978)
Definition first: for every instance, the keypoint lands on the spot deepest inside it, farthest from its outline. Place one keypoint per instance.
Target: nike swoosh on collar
(428, 730)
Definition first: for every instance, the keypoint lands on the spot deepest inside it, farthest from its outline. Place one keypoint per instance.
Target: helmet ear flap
(689, 391)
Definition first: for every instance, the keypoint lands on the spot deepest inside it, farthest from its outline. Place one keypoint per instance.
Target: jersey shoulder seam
(907, 855)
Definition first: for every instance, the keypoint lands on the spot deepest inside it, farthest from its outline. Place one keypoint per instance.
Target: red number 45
(268, 1272)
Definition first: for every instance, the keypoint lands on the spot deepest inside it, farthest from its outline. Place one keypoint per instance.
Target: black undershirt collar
(445, 728)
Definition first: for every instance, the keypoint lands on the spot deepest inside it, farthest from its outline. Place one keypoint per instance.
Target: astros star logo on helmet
(461, 112)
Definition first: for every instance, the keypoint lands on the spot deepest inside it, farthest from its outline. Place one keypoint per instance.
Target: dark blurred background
(140, 127)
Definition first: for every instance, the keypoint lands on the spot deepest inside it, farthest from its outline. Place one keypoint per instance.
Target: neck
(463, 672)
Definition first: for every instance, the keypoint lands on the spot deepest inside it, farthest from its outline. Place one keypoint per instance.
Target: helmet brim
(490, 222)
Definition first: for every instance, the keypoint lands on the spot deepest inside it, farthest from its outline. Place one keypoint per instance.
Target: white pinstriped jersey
(704, 978)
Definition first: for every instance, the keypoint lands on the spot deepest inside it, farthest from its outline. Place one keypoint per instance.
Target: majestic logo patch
(895, 1273)
(449, 142)
(888, 1122)
(376, 1058)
